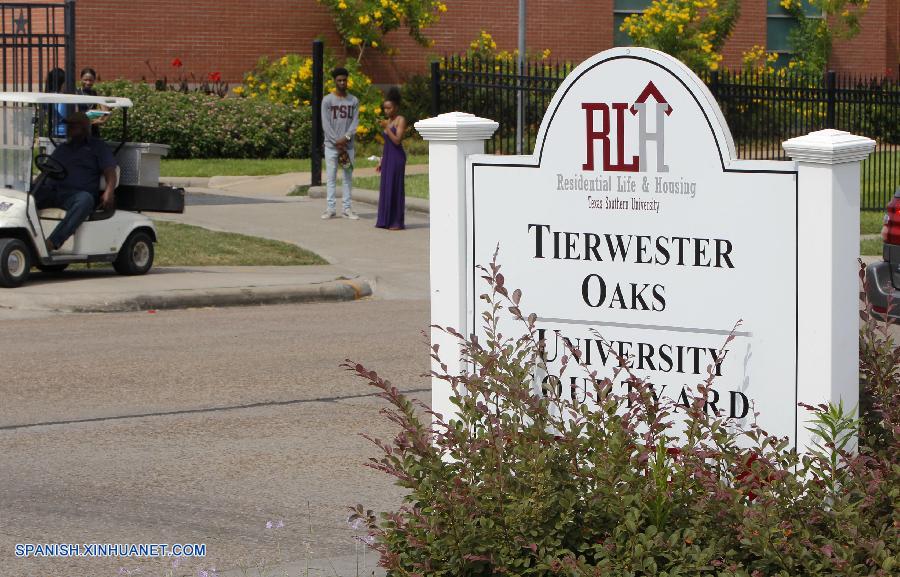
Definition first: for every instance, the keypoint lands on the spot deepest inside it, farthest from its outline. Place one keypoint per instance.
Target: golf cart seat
(98, 214)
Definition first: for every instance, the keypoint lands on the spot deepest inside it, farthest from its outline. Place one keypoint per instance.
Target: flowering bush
(288, 80)
(691, 30)
(533, 482)
(485, 48)
(363, 24)
(198, 125)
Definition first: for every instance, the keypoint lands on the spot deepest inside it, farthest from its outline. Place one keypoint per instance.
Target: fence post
(69, 27)
(714, 84)
(435, 88)
(828, 166)
(317, 136)
(830, 96)
(451, 137)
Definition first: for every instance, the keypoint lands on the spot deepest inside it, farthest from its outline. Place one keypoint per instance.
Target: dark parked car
(883, 278)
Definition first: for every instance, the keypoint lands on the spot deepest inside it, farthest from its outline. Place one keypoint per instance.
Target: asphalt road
(198, 426)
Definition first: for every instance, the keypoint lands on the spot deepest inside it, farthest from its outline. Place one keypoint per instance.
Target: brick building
(129, 38)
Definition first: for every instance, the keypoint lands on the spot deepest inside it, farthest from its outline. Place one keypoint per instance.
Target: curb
(334, 291)
(371, 197)
(185, 181)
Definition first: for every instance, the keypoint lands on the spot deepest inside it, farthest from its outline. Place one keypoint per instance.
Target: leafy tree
(364, 24)
(691, 30)
(812, 39)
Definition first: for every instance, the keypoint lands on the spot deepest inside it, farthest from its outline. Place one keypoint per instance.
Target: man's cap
(77, 117)
(339, 71)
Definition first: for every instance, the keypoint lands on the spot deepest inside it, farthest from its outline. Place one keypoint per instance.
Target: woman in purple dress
(392, 195)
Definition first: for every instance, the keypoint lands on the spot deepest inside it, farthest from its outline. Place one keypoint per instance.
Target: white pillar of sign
(451, 138)
(828, 164)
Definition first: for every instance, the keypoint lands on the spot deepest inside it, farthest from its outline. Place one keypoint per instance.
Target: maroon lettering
(602, 135)
(592, 135)
(620, 108)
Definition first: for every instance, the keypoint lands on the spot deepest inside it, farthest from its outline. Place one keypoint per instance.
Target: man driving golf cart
(85, 159)
(52, 238)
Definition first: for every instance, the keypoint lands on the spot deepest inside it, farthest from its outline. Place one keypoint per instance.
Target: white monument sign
(634, 220)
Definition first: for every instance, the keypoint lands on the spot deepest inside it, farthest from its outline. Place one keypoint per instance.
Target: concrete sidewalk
(363, 261)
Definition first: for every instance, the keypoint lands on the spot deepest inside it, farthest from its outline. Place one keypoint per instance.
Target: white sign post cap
(456, 126)
(829, 147)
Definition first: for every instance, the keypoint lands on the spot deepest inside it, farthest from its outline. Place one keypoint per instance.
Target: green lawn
(416, 184)
(870, 221)
(206, 167)
(870, 247)
(186, 245)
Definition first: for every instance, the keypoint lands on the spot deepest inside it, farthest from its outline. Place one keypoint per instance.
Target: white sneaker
(328, 214)
(350, 214)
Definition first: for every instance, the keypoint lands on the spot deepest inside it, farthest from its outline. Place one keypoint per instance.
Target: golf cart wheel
(15, 262)
(136, 255)
(52, 267)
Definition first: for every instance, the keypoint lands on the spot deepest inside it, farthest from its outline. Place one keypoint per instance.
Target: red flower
(215, 77)
(176, 62)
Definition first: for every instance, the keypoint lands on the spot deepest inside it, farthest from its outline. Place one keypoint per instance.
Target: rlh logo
(607, 122)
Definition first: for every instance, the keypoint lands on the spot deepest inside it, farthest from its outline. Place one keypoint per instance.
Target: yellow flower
(342, 6)
(377, 14)
(362, 109)
(350, 82)
(714, 66)
(384, 3)
(306, 103)
(364, 19)
(262, 86)
(361, 129)
(356, 41)
(441, 7)
(284, 60)
(250, 79)
(238, 90)
(545, 54)
(377, 110)
(374, 44)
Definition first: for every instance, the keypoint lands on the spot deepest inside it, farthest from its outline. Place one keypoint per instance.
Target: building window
(622, 9)
(779, 24)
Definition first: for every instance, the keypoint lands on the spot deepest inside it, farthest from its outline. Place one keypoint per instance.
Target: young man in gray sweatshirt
(340, 117)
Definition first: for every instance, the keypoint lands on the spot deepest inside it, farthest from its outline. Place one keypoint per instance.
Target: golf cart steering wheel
(50, 166)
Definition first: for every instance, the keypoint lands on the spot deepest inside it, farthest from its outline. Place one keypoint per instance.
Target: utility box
(139, 162)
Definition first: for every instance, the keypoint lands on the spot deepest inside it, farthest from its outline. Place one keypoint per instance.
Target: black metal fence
(34, 40)
(762, 110)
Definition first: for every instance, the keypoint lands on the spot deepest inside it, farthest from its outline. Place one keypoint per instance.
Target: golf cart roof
(54, 98)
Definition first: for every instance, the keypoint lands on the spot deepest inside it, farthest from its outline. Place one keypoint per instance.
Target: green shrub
(532, 483)
(288, 80)
(197, 125)
(416, 96)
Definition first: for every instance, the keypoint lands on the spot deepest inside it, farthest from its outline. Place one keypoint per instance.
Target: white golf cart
(120, 236)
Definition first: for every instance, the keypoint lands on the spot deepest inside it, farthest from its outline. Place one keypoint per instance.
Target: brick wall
(227, 36)
(117, 37)
(749, 31)
(573, 30)
(874, 52)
